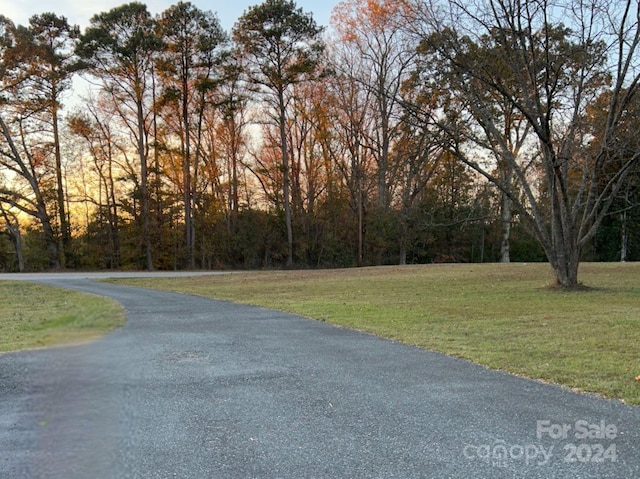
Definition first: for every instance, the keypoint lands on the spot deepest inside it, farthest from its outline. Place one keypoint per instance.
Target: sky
(80, 11)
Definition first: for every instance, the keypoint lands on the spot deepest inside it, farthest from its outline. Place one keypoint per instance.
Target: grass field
(502, 316)
(37, 316)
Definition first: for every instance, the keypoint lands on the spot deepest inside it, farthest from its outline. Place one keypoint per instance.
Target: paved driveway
(194, 388)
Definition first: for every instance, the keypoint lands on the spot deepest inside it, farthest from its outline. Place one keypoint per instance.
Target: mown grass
(505, 317)
(36, 316)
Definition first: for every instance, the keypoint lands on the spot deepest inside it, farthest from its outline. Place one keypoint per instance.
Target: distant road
(194, 388)
(54, 276)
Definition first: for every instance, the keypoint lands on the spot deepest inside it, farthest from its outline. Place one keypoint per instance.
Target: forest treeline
(406, 132)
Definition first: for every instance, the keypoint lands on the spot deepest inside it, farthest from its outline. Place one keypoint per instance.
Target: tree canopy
(406, 132)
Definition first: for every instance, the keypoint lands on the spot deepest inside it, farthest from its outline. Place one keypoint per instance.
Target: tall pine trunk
(286, 187)
(144, 190)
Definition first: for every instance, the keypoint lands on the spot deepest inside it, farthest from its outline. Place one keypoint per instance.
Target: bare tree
(119, 48)
(95, 127)
(373, 31)
(351, 105)
(548, 62)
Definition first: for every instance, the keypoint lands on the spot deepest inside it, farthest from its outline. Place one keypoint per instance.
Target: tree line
(408, 132)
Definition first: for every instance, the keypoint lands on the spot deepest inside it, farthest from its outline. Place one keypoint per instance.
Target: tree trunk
(403, 240)
(64, 224)
(235, 197)
(13, 229)
(566, 272)
(360, 207)
(112, 203)
(624, 231)
(624, 237)
(285, 178)
(50, 239)
(506, 216)
(16, 239)
(188, 194)
(188, 209)
(563, 255)
(144, 190)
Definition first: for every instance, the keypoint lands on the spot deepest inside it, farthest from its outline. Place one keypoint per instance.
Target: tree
(231, 132)
(95, 127)
(44, 68)
(373, 29)
(28, 190)
(419, 153)
(624, 209)
(282, 47)
(27, 183)
(549, 70)
(309, 173)
(351, 106)
(187, 69)
(119, 48)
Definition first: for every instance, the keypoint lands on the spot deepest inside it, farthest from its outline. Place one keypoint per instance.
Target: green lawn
(37, 316)
(501, 316)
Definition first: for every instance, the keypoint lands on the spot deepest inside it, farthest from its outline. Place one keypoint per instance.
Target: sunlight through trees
(405, 131)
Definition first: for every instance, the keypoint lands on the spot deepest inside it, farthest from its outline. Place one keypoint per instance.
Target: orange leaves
(352, 16)
(381, 12)
(344, 18)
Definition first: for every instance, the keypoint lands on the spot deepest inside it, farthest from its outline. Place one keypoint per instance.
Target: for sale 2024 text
(584, 432)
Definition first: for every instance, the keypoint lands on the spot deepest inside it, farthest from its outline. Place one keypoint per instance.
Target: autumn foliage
(400, 133)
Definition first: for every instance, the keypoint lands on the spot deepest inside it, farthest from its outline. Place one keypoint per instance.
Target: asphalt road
(195, 388)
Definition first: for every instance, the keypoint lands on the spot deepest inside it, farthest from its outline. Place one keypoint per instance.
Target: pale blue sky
(80, 11)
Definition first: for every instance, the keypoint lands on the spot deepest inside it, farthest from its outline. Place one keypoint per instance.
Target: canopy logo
(592, 444)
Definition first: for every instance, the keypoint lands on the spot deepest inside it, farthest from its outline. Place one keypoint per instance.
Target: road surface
(196, 388)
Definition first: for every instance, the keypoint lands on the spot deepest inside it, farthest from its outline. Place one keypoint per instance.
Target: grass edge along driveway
(36, 316)
(502, 316)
